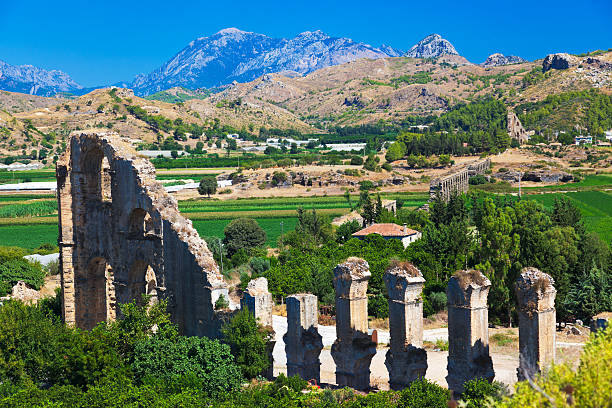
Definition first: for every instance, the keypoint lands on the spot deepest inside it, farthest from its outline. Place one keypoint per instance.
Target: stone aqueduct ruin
(121, 236)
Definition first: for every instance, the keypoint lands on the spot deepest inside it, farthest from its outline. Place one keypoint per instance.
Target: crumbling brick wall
(121, 235)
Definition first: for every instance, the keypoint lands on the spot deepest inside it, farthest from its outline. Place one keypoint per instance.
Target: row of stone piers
(406, 359)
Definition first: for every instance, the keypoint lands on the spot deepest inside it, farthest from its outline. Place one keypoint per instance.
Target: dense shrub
(40, 348)
(243, 233)
(248, 343)
(20, 270)
(481, 393)
(172, 359)
(423, 394)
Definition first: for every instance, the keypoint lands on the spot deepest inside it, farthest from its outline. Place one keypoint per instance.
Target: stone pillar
(353, 349)
(303, 343)
(259, 302)
(537, 319)
(406, 359)
(468, 332)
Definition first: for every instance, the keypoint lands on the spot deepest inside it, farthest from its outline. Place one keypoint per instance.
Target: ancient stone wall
(446, 186)
(121, 235)
(353, 349)
(516, 129)
(457, 182)
(537, 321)
(406, 359)
(468, 332)
(303, 343)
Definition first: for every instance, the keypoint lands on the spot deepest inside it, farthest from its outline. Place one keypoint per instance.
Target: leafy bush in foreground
(208, 361)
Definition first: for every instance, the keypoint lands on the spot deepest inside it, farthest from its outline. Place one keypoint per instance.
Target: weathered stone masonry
(406, 359)
(537, 320)
(353, 349)
(121, 235)
(303, 343)
(468, 330)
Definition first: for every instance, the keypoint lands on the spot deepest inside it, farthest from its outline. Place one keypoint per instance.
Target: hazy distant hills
(35, 81)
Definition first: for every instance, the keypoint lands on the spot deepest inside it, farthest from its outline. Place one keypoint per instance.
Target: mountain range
(232, 55)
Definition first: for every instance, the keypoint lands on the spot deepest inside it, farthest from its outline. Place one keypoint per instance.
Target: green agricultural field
(288, 203)
(28, 236)
(9, 177)
(24, 197)
(21, 226)
(595, 206)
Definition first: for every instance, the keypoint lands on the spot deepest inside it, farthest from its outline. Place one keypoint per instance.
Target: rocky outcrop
(539, 176)
(432, 46)
(35, 81)
(497, 60)
(597, 63)
(232, 54)
(559, 61)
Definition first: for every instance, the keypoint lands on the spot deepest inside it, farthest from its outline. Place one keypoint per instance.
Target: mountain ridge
(235, 55)
(32, 80)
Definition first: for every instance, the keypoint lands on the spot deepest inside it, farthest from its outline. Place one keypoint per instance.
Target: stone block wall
(537, 321)
(406, 359)
(468, 332)
(121, 236)
(353, 349)
(303, 343)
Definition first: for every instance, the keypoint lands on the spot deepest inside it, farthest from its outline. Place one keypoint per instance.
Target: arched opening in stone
(96, 176)
(140, 224)
(141, 281)
(94, 293)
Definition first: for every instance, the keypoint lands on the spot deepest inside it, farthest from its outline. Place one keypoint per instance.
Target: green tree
(248, 342)
(208, 185)
(591, 295)
(346, 230)
(173, 359)
(498, 251)
(396, 151)
(243, 233)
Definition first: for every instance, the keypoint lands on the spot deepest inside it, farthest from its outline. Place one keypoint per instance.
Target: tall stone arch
(111, 209)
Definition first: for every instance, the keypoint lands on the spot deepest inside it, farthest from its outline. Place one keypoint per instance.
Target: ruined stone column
(353, 349)
(406, 359)
(303, 343)
(468, 333)
(537, 319)
(259, 302)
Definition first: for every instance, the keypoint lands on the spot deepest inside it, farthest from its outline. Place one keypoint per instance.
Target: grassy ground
(596, 208)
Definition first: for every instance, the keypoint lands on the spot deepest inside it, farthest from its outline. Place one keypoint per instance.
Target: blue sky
(101, 42)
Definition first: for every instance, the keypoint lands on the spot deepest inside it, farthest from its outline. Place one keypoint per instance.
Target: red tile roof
(386, 230)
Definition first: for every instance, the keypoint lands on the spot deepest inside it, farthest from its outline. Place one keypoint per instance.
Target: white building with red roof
(390, 231)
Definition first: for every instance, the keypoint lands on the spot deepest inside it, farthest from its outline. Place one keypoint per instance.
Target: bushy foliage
(16, 270)
(243, 233)
(482, 393)
(170, 360)
(346, 230)
(423, 394)
(248, 343)
(562, 386)
(38, 348)
(208, 185)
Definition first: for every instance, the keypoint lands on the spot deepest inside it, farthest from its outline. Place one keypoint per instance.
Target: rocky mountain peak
(498, 59)
(35, 81)
(235, 55)
(432, 46)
